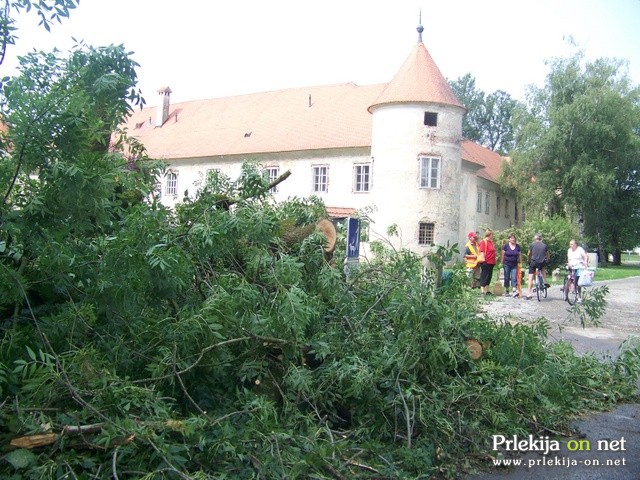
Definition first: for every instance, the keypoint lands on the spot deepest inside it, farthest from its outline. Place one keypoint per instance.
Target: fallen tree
(142, 342)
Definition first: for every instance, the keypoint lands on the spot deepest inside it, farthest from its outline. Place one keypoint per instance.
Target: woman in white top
(577, 259)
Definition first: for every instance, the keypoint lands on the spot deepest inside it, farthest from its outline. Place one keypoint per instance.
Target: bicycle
(571, 290)
(541, 287)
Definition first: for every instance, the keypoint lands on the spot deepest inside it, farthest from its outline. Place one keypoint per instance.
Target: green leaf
(153, 248)
(31, 353)
(21, 458)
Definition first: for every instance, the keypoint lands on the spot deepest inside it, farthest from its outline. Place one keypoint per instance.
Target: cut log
(295, 234)
(328, 229)
(475, 348)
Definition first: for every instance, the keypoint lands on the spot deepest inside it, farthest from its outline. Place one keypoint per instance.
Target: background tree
(489, 117)
(473, 99)
(48, 11)
(578, 151)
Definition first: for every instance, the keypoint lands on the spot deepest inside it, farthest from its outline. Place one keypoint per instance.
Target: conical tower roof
(418, 80)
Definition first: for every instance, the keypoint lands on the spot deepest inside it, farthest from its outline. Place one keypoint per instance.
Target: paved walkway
(617, 430)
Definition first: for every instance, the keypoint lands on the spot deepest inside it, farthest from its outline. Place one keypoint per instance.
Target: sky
(207, 49)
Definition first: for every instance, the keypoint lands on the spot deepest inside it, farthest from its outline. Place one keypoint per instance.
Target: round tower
(415, 148)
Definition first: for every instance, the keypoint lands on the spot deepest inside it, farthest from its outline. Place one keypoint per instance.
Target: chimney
(163, 106)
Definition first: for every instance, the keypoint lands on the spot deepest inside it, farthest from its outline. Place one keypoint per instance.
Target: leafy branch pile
(208, 342)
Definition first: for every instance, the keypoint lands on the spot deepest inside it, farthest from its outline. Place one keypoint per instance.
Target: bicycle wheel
(572, 291)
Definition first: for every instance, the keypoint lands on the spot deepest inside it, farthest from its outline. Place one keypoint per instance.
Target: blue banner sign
(353, 237)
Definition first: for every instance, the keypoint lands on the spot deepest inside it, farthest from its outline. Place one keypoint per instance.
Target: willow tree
(578, 151)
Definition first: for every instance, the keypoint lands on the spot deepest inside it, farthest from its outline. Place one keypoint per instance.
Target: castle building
(395, 149)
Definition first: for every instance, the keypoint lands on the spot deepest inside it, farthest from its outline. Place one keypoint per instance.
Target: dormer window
(430, 119)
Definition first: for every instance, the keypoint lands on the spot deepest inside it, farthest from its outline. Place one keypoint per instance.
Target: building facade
(395, 149)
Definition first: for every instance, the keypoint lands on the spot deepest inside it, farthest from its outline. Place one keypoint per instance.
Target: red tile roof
(418, 80)
(489, 161)
(341, 212)
(309, 118)
(299, 119)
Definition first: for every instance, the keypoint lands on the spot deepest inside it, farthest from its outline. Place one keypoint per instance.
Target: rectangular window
(362, 177)
(498, 205)
(506, 208)
(486, 203)
(274, 173)
(479, 202)
(429, 172)
(320, 178)
(171, 184)
(426, 233)
(431, 119)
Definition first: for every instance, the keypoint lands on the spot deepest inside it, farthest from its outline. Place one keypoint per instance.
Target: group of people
(480, 258)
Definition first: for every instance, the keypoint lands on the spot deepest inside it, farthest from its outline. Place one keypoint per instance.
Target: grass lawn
(612, 272)
(626, 258)
(629, 268)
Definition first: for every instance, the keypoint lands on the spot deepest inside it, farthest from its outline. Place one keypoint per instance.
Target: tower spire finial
(420, 28)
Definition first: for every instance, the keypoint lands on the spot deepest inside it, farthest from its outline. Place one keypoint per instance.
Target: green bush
(556, 233)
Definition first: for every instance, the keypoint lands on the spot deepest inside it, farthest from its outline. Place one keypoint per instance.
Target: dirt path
(621, 318)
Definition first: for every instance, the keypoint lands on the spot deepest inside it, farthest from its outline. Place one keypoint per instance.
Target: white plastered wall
(399, 138)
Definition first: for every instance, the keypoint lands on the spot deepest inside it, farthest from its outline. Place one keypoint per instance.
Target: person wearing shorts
(538, 258)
